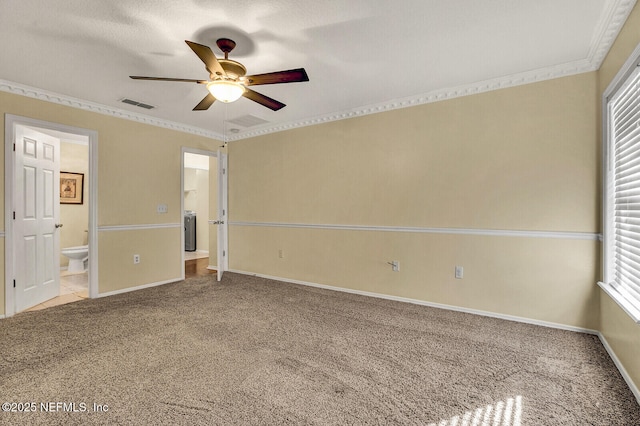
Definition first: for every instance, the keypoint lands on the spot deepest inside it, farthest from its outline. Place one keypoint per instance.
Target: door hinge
(14, 147)
(14, 283)
(14, 215)
(224, 171)
(224, 253)
(224, 212)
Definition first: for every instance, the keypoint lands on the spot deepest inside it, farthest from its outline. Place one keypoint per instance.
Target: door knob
(58, 225)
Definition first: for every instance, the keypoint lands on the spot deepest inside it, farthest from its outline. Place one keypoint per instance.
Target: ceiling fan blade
(263, 100)
(185, 80)
(206, 55)
(205, 103)
(290, 76)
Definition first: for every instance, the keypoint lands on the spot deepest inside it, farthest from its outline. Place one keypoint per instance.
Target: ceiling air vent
(136, 103)
(248, 121)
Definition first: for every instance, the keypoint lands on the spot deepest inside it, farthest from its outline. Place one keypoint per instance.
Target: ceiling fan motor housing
(233, 69)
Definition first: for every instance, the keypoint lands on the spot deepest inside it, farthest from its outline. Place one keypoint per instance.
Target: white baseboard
(614, 358)
(429, 304)
(140, 287)
(621, 369)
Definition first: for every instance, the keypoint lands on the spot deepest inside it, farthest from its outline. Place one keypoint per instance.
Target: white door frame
(223, 211)
(222, 198)
(11, 121)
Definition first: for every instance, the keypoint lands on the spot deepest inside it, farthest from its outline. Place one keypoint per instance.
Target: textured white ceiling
(361, 55)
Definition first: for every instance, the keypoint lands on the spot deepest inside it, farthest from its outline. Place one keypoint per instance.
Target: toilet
(78, 258)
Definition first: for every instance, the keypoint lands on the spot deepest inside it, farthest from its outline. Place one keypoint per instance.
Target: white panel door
(36, 203)
(222, 214)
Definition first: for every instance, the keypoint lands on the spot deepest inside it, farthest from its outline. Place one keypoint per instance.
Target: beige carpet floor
(251, 351)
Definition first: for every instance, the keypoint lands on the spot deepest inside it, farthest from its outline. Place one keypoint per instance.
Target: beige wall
(159, 257)
(523, 158)
(138, 168)
(525, 277)
(622, 334)
(75, 217)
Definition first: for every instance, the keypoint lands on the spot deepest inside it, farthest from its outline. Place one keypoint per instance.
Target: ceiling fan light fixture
(225, 90)
(227, 78)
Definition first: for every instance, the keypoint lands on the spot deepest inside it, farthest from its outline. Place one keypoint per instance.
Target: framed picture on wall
(71, 188)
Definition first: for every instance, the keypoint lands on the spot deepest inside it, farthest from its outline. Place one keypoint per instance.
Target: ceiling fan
(227, 80)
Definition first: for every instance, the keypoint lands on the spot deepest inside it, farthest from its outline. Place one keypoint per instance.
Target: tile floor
(73, 287)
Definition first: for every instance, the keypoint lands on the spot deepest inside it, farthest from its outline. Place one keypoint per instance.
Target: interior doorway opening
(199, 201)
(70, 249)
(211, 218)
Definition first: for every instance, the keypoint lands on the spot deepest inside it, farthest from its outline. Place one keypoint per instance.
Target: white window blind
(623, 248)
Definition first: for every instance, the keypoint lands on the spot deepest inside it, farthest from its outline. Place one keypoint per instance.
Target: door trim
(223, 212)
(11, 121)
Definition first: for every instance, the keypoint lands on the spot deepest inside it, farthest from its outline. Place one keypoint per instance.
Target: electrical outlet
(395, 265)
(136, 259)
(459, 272)
(281, 254)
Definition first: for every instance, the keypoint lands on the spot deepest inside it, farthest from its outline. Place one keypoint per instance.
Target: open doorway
(213, 216)
(60, 243)
(199, 201)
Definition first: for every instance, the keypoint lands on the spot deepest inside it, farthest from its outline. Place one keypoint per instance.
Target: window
(622, 189)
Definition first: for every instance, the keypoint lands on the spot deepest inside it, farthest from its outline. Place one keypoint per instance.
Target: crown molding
(611, 22)
(514, 80)
(56, 98)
